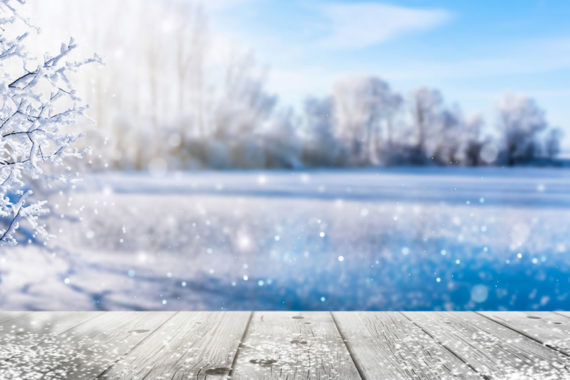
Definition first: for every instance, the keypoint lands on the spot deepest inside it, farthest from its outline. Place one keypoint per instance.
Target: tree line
(169, 97)
(365, 123)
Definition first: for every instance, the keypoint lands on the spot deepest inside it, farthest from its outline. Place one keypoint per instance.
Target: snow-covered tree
(552, 143)
(425, 108)
(365, 108)
(520, 122)
(320, 145)
(444, 145)
(244, 104)
(281, 141)
(474, 143)
(38, 106)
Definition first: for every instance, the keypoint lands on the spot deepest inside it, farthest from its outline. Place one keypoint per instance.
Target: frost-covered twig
(38, 107)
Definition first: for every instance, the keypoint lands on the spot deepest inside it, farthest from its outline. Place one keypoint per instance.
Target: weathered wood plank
(550, 329)
(55, 322)
(388, 345)
(76, 345)
(102, 341)
(33, 344)
(291, 345)
(190, 345)
(8, 315)
(493, 350)
(83, 345)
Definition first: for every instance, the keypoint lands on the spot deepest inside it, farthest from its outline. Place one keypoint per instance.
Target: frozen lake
(417, 239)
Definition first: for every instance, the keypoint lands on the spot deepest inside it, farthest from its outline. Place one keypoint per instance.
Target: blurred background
(402, 155)
(255, 84)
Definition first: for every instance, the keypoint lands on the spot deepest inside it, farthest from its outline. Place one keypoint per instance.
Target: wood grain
(550, 329)
(190, 345)
(291, 345)
(104, 340)
(35, 344)
(284, 345)
(389, 346)
(490, 348)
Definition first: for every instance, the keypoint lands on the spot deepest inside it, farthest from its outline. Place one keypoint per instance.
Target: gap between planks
(294, 344)
(240, 345)
(442, 345)
(346, 342)
(513, 353)
(513, 325)
(350, 352)
(135, 346)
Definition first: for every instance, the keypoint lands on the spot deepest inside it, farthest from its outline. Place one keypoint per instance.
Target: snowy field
(426, 239)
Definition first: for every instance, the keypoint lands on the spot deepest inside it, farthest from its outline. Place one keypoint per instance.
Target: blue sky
(473, 51)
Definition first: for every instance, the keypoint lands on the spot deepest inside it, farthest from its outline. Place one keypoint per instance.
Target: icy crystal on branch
(38, 108)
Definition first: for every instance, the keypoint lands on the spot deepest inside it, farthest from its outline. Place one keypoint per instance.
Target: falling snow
(399, 240)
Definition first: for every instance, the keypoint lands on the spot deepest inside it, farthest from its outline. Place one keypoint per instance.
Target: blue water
(395, 240)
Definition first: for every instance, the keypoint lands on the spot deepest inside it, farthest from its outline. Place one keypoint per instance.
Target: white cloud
(360, 25)
(521, 57)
